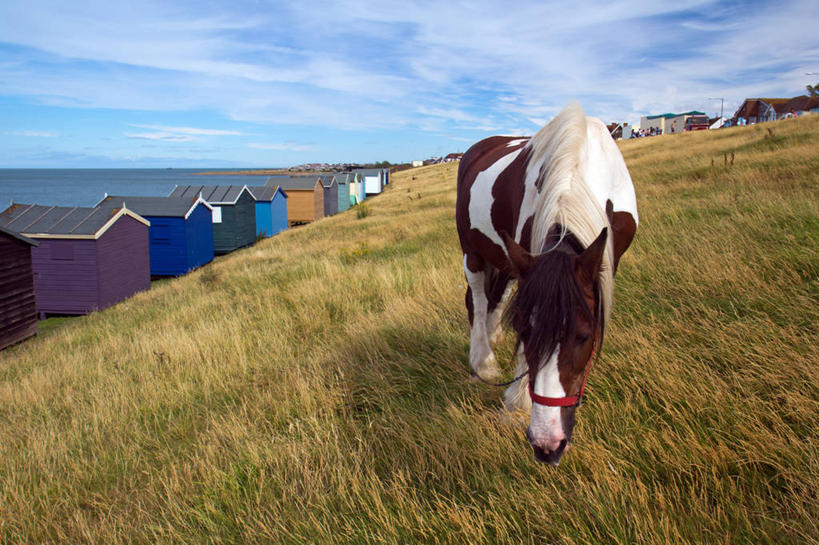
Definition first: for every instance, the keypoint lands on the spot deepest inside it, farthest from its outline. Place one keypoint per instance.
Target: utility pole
(721, 102)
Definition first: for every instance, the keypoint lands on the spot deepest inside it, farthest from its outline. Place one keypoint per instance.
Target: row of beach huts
(58, 260)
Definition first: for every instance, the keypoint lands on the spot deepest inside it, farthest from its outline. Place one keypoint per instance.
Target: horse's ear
(520, 259)
(587, 265)
(623, 228)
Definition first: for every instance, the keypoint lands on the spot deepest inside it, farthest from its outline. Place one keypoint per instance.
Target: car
(697, 123)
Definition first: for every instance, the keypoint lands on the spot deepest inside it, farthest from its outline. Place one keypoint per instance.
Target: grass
(313, 388)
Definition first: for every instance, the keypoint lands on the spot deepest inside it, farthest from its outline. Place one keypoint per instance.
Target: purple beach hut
(87, 259)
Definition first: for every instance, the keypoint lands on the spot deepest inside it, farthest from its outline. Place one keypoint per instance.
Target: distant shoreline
(262, 172)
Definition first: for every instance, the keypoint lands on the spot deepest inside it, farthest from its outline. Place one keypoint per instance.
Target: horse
(554, 213)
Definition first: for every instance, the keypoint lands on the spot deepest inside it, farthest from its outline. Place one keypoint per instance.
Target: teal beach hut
(233, 217)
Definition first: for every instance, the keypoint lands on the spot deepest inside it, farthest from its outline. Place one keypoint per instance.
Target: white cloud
(425, 66)
(164, 136)
(284, 146)
(189, 130)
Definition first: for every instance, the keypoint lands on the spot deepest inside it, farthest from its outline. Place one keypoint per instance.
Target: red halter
(568, 401)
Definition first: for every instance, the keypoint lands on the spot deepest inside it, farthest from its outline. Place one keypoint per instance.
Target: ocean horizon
(88, 186)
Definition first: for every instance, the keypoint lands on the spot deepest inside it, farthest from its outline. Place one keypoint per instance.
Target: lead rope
(507, 383)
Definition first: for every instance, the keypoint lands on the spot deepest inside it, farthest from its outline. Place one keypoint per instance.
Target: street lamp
(721, 102)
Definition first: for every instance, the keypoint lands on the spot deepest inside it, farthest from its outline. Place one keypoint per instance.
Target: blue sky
(265, 84)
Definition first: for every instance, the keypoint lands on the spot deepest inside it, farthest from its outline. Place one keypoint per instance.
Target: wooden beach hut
(233, 214)
(305, 198)
(343, 180)
(271, 209)
(18, 310)
(181, 231)
(330, 194)
(88, 258)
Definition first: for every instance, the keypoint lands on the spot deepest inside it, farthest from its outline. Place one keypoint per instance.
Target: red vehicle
(697, 123)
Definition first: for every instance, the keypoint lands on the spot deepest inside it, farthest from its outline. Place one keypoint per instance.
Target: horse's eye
(581, 339)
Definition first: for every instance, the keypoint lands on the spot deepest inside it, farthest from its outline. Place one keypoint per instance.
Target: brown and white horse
(556, 212)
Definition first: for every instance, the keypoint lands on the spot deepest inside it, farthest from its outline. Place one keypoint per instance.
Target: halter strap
(568, 401)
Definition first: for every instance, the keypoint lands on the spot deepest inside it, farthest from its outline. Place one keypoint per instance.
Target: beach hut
(305, 198)
(181, 232)
(233, 214)
(88, 258)
(18, 311)
(271, 209)
(373, 179)
(343, 180)
(330, 194)
(357, 193)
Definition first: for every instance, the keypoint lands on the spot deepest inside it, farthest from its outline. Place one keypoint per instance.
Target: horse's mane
(564, 198)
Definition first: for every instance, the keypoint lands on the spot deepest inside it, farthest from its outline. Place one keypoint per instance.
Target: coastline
(261, 172)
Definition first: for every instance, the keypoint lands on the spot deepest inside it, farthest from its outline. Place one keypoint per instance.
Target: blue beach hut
(271, 209)
(181, 231)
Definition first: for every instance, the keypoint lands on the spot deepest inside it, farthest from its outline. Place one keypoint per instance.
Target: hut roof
(174, 207)
(669, 116)
(327, 180)
(63, 221)
(266, 193)
(214, 194)
(298, 183)
(18, 236)
(369, 171)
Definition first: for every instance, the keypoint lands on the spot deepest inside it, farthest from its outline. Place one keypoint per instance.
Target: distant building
(619, 130)
(668, 123)
(759, 110)
(417, 163)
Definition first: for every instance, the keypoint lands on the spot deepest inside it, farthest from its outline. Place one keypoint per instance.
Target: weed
(362, 210)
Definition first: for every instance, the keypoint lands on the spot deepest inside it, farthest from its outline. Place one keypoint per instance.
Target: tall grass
(313, 388)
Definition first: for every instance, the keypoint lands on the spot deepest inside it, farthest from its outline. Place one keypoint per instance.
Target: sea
(88, 186)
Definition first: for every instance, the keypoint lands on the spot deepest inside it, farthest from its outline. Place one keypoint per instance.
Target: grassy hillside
(313, 388)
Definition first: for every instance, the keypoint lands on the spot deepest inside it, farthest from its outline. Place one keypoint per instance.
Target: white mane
(563, 195)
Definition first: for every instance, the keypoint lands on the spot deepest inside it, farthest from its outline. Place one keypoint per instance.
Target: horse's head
(558, 319)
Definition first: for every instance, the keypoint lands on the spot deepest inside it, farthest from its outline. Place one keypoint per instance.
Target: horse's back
(490, 188)
(605, 170)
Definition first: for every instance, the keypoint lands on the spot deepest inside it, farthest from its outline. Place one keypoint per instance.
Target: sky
(271, 84)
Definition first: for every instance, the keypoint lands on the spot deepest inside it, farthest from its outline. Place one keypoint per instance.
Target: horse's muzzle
(551, 457)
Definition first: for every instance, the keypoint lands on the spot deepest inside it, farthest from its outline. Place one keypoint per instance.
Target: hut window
(62, 252)
(217, 214)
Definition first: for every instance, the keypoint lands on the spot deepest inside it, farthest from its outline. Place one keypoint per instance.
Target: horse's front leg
(499, 294)
(481, 358)
(516, 397)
